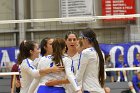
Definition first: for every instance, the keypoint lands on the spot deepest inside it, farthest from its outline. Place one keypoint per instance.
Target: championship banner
(118, 7)
(76, 8)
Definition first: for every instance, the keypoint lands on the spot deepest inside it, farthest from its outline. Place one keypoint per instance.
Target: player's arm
(57, 82)
(82, 68)
(34, 85)
(72, 79)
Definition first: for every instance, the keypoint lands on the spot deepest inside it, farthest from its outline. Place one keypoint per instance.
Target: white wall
(7, 39)
(107, 31)
(7, 12)
(50, 9)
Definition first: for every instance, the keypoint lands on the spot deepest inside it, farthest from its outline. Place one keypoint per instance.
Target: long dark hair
(67, 35)
(24, 50)
(70, 32)
(43, 44)
(91, 36)
(58, 46)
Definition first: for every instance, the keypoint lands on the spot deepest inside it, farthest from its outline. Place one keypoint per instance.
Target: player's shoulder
(26, 61)
(66, 57)
(87, 51)
(48, 57)
(45, 59)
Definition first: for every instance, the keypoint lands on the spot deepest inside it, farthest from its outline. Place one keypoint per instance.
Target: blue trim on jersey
(51, 65)
(49, 56)
(48, 89)
(76, 82)
(29, 64)
(92, 48)
(81, 55)
(86, 92)
(72, 65)
(79, 61)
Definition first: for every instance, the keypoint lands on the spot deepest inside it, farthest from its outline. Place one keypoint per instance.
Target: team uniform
(34, 83)
(121, 65)
(35, 63)
(136, 83)
(109, 65)
(136, 63)
(46, 62)
(27, 74)
(74, 67)
(89, 71)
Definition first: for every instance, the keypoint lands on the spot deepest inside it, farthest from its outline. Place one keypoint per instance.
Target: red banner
(118, 7)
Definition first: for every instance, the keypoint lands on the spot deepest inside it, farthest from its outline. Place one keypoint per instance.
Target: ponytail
(101, 63)
(57, 55)
(24, 50)
(91, 36)
(21, 55)
(58, 46)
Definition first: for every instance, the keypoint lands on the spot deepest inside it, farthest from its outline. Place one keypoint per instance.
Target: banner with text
(118, 7)
(76, 8)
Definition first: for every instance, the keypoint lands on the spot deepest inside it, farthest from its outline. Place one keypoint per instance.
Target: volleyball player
(71, 39)
(29, 50)
(57, 58)
(46, 49)
(91, 70)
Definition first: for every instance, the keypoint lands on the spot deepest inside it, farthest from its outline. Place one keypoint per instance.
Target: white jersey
(34, 83)
(74, 67)
(27, 74)
(89, 71)
(46, 62)
(35, 63)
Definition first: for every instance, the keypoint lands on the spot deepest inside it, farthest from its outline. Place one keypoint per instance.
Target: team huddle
(70, 65)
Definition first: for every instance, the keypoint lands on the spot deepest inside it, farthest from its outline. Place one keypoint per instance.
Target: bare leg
(124, 74)
(118, 76)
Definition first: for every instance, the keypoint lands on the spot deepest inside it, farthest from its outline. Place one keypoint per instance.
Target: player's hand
(51, 82)
(79, 91)
(18, 83)
(55, 69)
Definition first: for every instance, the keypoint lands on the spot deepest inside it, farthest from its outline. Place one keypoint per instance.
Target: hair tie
(93, 39)
(24, 41)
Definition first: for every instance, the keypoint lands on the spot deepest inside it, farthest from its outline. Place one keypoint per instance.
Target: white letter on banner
(113, 51)
(130, 54)
(5, 57)
(16, 53)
